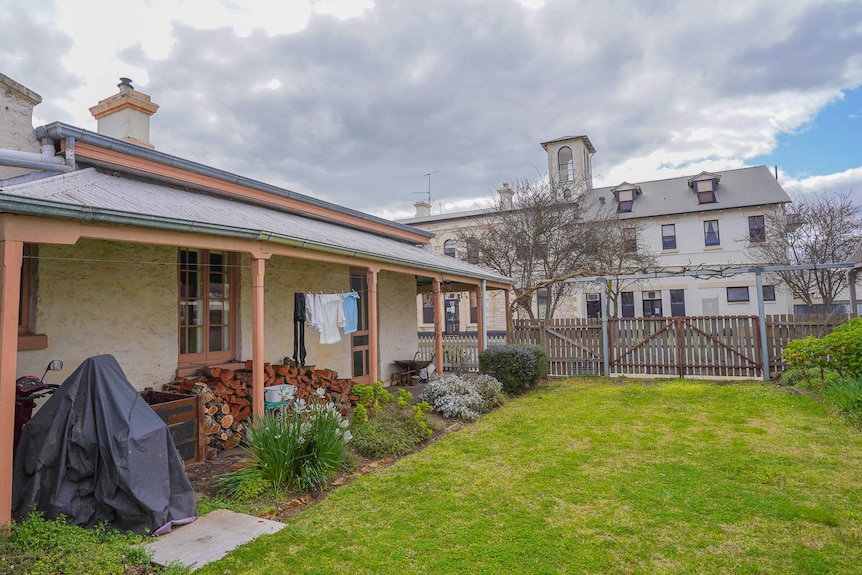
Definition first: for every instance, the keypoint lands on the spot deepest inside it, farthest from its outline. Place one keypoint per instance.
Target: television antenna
(428, 191)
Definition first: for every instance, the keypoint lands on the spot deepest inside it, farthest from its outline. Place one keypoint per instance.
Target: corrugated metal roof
(90, 191)
(59, 131)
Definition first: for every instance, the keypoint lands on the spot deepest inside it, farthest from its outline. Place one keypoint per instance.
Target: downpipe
(46, 160)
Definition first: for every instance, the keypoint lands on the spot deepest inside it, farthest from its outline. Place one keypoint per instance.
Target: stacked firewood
(227, 396)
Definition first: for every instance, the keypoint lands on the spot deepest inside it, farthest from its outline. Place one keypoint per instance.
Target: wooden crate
(182, 414)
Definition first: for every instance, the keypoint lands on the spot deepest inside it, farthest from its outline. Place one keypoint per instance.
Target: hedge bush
(516, 366)
(839, 350)
(844, 348)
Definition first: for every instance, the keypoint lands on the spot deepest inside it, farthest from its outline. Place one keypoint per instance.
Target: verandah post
(11, 258)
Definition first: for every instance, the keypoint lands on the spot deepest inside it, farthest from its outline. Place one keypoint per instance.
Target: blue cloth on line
(350, 306)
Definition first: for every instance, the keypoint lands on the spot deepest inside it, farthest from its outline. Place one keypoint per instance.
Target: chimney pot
(125, 85)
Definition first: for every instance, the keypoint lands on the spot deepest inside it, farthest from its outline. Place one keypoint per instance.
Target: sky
(357, 101)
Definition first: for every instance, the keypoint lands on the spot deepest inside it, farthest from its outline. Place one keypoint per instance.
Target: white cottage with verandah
(109, 246)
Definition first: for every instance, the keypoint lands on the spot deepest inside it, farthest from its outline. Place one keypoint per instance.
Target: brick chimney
(16, 121)
(423, 209)
(126, 116)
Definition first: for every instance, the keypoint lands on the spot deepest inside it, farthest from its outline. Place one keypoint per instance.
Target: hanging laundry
(299, 319)
(332, 317)
(313, 314)
(350, 307)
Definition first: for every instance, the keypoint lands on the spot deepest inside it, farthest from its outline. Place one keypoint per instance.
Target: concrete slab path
(209, 538)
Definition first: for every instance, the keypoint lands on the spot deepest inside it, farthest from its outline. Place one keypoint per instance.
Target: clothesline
(325, 313)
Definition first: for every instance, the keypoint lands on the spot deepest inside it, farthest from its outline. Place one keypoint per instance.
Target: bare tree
(818, 228)
(539, 236)
(617, 250)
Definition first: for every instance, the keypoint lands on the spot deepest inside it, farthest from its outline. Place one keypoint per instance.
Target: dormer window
(626, 199)
(704, 185)
(625, 195)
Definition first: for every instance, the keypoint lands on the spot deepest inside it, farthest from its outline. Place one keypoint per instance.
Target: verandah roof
(92, 195)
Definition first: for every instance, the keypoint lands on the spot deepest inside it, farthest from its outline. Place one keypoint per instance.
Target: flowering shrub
(467, 399)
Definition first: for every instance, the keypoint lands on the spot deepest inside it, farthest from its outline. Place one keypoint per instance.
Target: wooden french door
(360, 340)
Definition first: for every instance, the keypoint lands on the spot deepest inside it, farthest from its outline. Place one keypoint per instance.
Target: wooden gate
(574, 346)
(686, 346)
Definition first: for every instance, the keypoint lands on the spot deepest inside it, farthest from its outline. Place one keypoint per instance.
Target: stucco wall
(398, 337)
(92, 298)
(283, 277)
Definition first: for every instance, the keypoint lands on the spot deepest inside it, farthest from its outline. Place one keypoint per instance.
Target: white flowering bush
(454, 397)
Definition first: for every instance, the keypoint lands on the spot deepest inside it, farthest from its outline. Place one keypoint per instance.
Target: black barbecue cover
(96, 452)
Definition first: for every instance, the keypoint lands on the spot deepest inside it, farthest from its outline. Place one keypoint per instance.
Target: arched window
(565, 164)
(449, 248)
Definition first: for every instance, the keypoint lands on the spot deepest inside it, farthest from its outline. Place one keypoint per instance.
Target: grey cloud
(30, 53)
(368, 105)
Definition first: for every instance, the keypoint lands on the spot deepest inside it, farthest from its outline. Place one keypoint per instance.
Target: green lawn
(599, 476)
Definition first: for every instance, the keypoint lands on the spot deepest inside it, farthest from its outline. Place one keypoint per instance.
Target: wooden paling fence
(720, 346)
(708, 346)
(460, 352)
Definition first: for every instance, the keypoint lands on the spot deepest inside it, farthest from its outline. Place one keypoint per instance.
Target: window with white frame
(677, 303)
(472, 251)
(756, 229)
(542, 301)
(625, 200)
(768, 293)
(651, 303)
(627, 304)
(705, 190)
(566, 164)
(710, 233)
(428, 307)
(449, 248)
(474, 307)
(736, 294)
(207, 317)
(668, 237)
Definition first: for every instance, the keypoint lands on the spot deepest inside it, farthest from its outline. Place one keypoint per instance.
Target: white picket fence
(460, 352)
